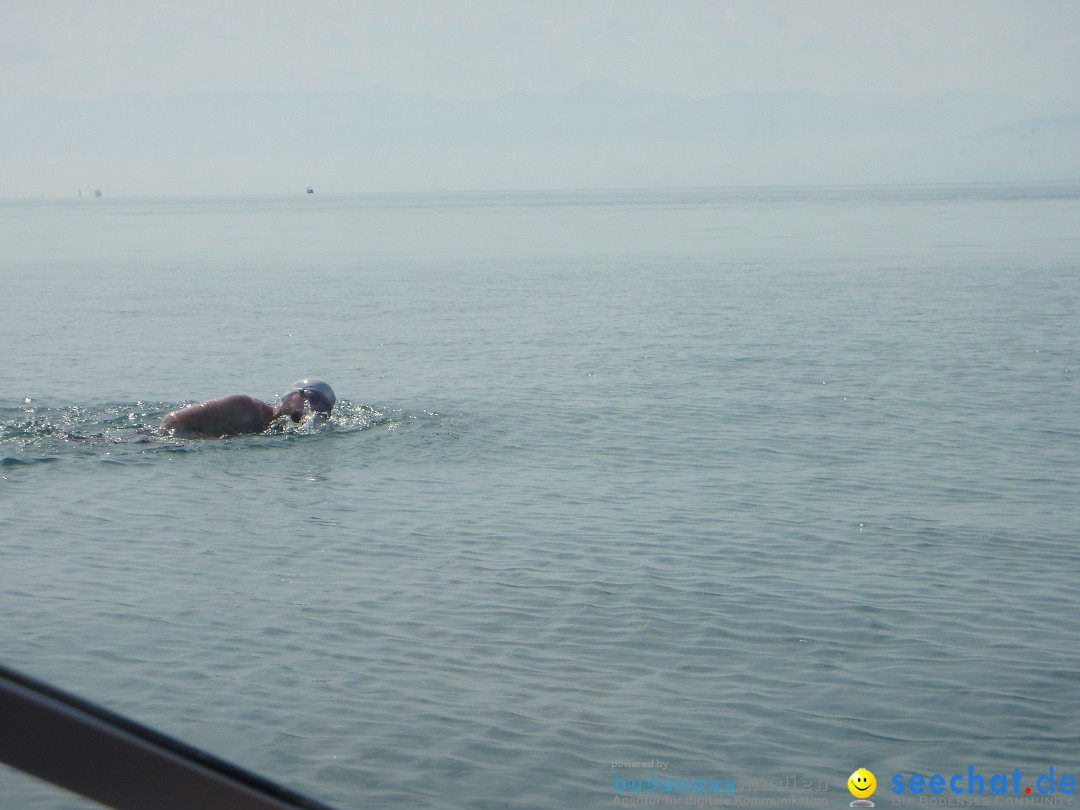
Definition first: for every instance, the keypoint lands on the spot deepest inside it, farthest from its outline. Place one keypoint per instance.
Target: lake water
(762, 483)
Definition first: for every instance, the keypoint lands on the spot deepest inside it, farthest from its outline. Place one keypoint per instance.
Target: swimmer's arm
(225, 416)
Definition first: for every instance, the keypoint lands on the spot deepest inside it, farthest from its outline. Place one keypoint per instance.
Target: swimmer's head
(317, 393)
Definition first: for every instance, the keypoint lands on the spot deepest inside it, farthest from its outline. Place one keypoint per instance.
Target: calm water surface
(759, 483)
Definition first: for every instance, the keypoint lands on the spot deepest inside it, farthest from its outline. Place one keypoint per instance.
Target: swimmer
(237, 413)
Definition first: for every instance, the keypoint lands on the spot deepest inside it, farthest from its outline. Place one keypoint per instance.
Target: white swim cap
(318, 387)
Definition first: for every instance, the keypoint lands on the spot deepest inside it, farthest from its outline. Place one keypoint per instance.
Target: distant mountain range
(597, 135)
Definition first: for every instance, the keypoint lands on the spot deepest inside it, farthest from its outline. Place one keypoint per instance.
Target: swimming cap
(322, 388)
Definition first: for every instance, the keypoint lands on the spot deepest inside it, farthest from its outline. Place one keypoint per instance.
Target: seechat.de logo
(974, 782)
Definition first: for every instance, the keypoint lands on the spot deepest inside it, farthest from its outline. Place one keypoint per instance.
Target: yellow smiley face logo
(862, 783)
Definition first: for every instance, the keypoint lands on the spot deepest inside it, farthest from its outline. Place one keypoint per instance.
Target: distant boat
(97, 192)
(310, 190)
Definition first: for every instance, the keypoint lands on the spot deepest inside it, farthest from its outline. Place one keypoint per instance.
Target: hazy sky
(476, 50)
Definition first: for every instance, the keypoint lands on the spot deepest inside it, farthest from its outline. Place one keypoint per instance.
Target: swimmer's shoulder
(224, 416)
